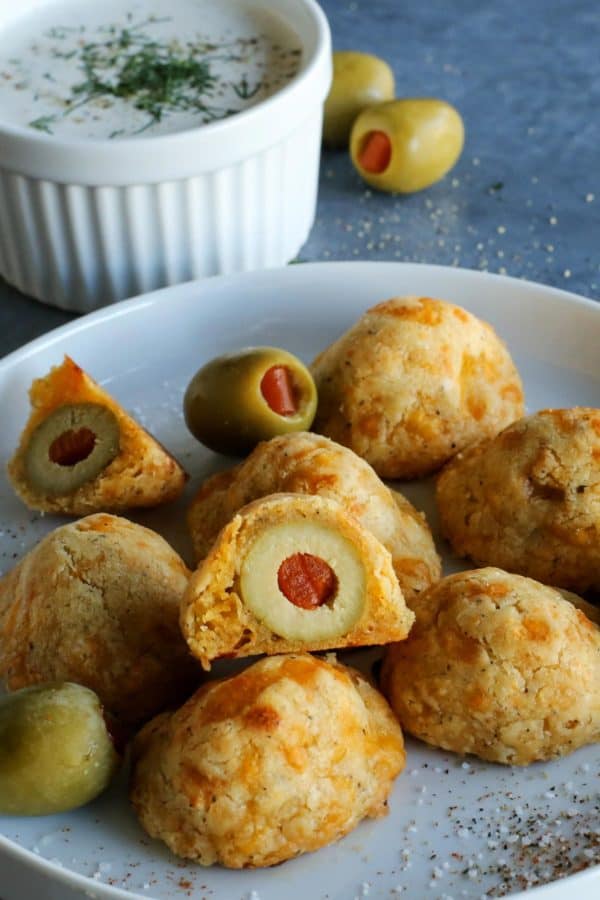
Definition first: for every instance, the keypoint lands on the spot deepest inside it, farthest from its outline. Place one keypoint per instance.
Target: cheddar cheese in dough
(413, 382)
(500, 666)
(311, 464)
(529, 499)
(282, 759)
(97, 602)
(292, 572)
(80, 452)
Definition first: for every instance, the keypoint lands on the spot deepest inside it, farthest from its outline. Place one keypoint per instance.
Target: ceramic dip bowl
(150, 142)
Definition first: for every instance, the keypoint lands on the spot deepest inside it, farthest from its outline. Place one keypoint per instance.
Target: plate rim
(131, 304)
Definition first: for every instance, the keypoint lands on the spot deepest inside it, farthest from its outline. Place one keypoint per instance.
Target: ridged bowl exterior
(79, 247)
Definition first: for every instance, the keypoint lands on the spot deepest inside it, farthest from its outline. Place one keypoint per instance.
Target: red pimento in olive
(306, 580)
(376, 152)
(277, 388)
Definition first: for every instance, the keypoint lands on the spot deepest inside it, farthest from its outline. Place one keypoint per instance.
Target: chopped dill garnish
(157, 77)
(154, 77)
(43, 123)
(243, 89)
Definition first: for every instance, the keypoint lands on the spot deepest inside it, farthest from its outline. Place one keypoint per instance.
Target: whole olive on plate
(56, 752)
(406, 145)
(241, 398)
(359, 80)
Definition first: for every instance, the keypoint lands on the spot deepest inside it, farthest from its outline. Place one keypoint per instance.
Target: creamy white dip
(146, 67)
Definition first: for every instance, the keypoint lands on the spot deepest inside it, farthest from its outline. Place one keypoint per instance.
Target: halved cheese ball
(81, 453)
(529, 499)
(500, 666)
(292, 572)
(413, 382)
(307, 463)
(97, 602)
(280, 760)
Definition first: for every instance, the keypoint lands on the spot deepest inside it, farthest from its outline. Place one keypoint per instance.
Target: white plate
(457, 828)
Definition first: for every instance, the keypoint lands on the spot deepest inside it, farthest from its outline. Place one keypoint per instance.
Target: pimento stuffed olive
(406, 145)
(239, 399)
(292, 572)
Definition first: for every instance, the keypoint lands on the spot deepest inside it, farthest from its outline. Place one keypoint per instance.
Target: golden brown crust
(413, 382)
(217, 622)
(500, 666)
(282, 759)
(307, 463)
(142, 474)
(97, 602)
(529, 499)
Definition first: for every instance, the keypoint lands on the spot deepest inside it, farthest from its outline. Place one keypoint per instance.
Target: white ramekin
(86, 222)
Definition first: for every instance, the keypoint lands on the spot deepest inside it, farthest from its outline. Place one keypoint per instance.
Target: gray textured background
(525, 196)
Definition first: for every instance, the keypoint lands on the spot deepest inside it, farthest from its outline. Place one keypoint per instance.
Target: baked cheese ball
(413, 382)
(97, 602)
(292, 572)
(528, 500)
(500, 666)
(81, 453)
(307, 463)
(280, 760)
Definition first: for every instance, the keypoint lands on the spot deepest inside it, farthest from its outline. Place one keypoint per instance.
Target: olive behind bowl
(56, 750)
(359, 80)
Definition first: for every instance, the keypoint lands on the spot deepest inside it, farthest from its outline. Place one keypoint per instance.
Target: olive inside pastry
(81, 453)
(413, 382)
(500, 666)
(282, 759)
(292, 572)
(307, 463)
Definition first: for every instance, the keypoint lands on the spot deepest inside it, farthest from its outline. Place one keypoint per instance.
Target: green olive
(70, 447)
(56, 752)
(359, 80)
(406, 145)
(239, 399)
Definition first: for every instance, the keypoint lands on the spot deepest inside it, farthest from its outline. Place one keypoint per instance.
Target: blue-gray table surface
(524, 199)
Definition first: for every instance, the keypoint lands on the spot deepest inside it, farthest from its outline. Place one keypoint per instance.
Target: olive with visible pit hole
(56, 750)
(239, 399)
(71, 447)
